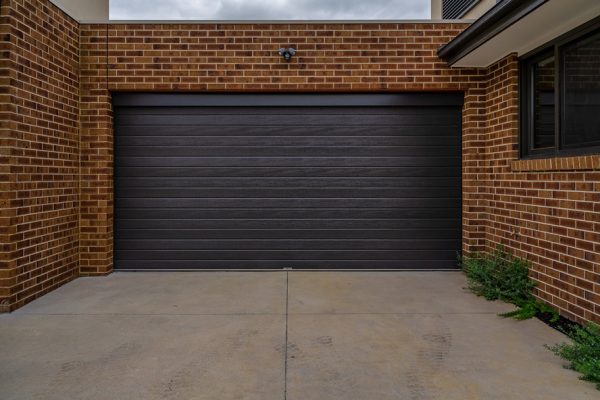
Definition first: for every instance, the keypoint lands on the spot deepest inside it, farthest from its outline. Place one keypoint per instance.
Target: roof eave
(497, 19)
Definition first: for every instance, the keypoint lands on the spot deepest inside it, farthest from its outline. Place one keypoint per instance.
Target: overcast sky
(269, 9)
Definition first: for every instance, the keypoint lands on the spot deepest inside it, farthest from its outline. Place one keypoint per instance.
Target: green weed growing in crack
(501, 276)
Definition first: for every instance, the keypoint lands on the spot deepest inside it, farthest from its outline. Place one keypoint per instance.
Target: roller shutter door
(287, 181)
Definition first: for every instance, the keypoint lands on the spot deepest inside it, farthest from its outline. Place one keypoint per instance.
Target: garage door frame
(145, 99)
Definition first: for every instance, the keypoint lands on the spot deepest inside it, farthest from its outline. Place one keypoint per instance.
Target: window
(543, 78)
(560, 96)
(581, 103)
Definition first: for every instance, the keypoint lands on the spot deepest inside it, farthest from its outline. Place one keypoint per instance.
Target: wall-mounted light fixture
(287, 54)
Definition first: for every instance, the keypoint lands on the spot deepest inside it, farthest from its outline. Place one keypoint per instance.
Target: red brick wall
(331, 57)
(39, 90)
(243, 57)
(547, 211)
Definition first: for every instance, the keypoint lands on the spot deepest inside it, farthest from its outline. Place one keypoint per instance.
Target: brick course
(544, 210)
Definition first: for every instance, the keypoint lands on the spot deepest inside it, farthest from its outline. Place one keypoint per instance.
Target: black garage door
(287, 181)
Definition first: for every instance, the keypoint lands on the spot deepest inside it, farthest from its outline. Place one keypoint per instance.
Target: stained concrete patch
(412, 357)
(141, 357)
(385, 292)
(168, 293)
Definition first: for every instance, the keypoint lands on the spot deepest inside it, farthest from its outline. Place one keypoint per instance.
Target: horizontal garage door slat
(290, 131)
(324, 172)
(229, 193)
(287, 255)
(267, 182)
(289, 213)
(281, 151)
(434, 263)
(320, 223)
(247, 141)
(322, 121)
(288, 244)
(406, 161)
(394, 112)
(242, 234)
(203, 186)
(122, 203)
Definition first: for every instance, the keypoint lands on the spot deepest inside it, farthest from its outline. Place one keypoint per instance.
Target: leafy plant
(532, 309)
(498, 276)
(501, 276)
(583, 354)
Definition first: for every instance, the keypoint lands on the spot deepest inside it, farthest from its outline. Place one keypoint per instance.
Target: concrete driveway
(277, 335)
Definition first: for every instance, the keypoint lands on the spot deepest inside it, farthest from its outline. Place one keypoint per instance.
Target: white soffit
(542, 25)
(85, 10)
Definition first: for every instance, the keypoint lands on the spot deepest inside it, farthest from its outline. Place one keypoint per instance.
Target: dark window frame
(526, 98)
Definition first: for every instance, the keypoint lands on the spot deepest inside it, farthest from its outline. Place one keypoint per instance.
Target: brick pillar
(8, 194)
(96, 196)
(502, 147)
(475, 174)
(8, 144)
